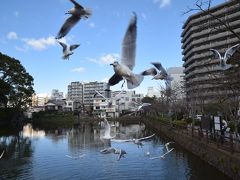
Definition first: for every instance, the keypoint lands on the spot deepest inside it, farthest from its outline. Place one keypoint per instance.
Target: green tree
(16, 85)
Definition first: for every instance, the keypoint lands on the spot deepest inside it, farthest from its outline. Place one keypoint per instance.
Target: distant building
(151, 92)
(121, 102)
(81, 93)
(177, 74)
(56, 94)
(75, 91)
(39, 99)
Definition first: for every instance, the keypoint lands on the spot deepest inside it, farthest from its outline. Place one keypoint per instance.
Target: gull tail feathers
(135, 81)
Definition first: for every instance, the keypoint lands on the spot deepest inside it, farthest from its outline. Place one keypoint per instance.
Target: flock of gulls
(123, 70)
(121, 152)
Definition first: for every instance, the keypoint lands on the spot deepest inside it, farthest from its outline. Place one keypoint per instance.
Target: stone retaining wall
(226, 162)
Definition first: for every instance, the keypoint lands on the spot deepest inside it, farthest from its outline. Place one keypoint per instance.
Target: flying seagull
(107, 130)
(76, 157)
(68, 49)
(123, 70)
(109, 100)
(141, 105)
(108, 150)
(77, 12)
(138, 142)
(159, 72)
(1, 155)
(168, 151)
(223, 59)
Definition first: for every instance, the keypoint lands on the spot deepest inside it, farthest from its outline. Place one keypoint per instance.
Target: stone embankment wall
(225, 161)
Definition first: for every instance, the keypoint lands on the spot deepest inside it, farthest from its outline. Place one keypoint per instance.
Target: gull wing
(75, 157)
(107, 128)
(151, 71)
(168, 151)
(230, 51)
(67, 26)
(147, 137)
(76, 4)
(129, 44)
(63, 45)
(159, 66)
(97, 92)
(216, 54)
(1, 155)
(146, 104)
(114, 79)
(168, 84)
(122, 140)
(75, 46)
(157, 157)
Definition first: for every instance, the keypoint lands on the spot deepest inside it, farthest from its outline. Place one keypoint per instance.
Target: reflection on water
(37, 154)
(28, 131)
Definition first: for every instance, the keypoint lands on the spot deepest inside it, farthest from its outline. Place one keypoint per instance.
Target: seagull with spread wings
(123, 70)
(159, 72)
(138, 141)
(168, 151)
(107, 130)
(109, 100)
(223, 59)
(68, 49)
(77, 12)
(108, 150)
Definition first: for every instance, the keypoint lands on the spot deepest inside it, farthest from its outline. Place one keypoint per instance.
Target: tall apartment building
(89, 91)
(201, 32)
(56, 94)
(75, 91)
(83, 92)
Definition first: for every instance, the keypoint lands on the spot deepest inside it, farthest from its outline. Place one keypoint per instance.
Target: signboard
(217, 123)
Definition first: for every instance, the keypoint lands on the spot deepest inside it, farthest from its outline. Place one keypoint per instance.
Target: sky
(29, 27)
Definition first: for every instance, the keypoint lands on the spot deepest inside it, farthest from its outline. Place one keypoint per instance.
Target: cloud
(22, 49)
(79, 69)
(12, 35)
(40, 44)
(105, 59)
(108, 58)
(163, 3)
(92, 25)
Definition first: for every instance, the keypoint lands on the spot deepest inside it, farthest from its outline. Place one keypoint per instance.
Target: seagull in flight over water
(76, 157)
(68, 50)
(77, 12)
(123, 70)
(159, 72)
(109, 100)
(107, 130)
(223, 59)
(121, 152)
(138, 142)
(168, 151)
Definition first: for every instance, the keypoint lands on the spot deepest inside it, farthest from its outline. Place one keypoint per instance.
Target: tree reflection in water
(18, 154)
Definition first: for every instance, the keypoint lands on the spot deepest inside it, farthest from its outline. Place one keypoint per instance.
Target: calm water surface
(45, 155)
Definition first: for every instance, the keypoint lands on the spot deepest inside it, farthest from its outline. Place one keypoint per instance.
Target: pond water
(75, 154)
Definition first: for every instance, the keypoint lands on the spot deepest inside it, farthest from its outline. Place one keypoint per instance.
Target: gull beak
(111, 64)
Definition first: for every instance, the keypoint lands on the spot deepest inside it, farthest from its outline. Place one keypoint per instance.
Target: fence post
(207, 136)
(231, 143)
